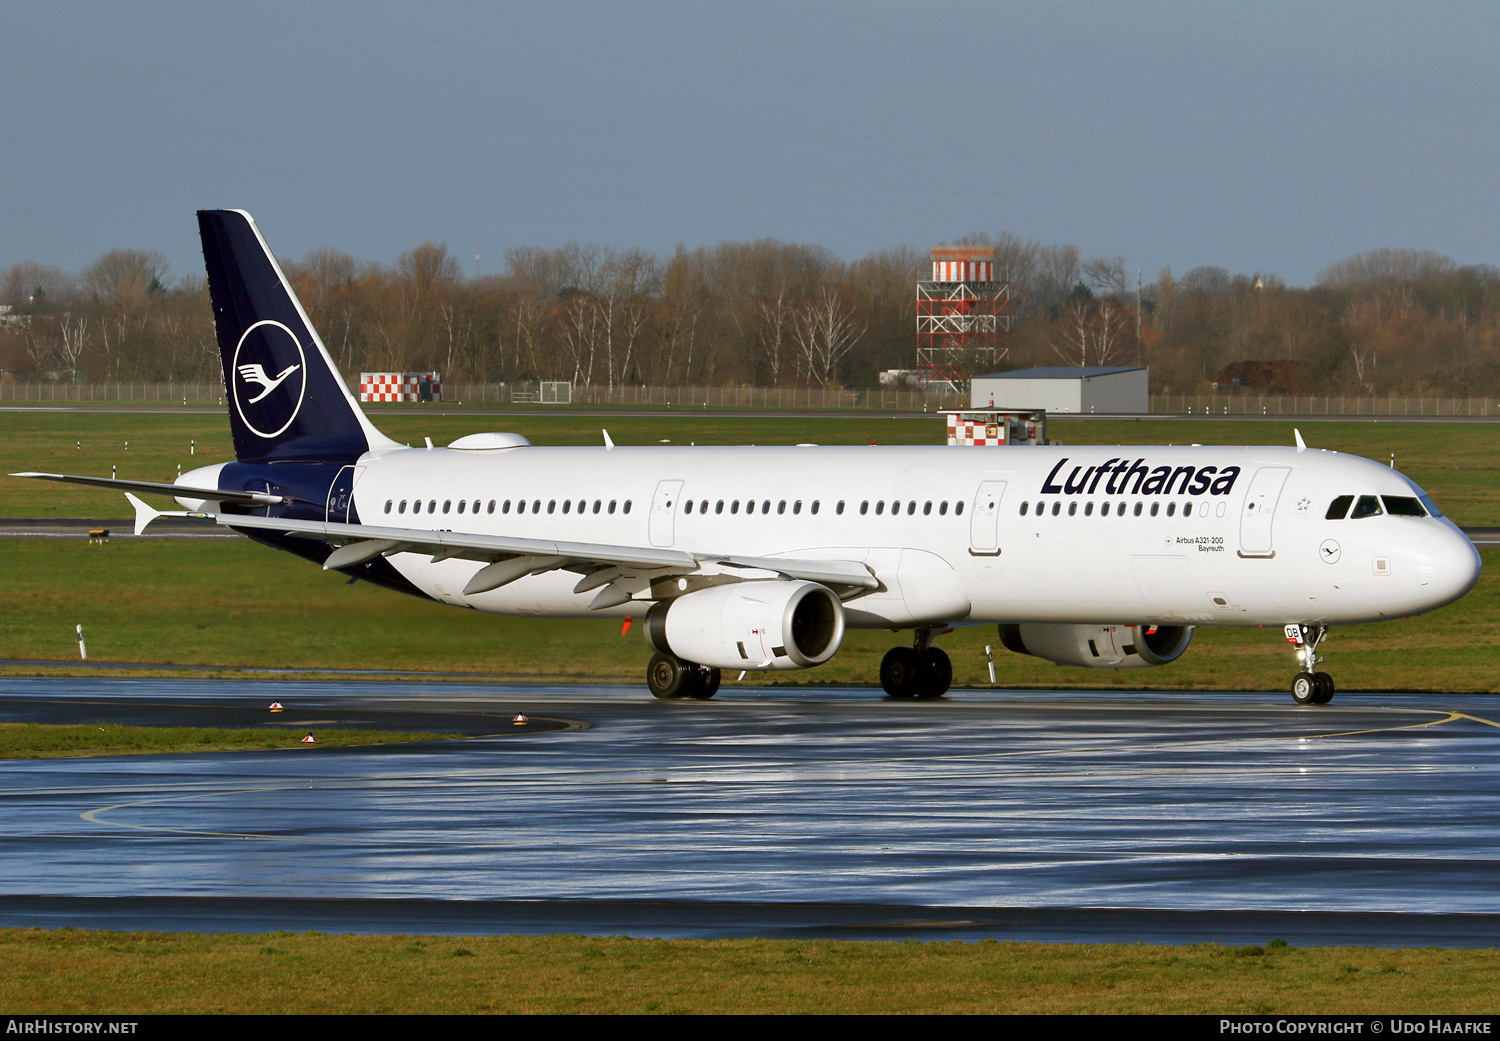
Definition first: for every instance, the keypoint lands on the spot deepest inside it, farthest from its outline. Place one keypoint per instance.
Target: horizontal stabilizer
(158, 488)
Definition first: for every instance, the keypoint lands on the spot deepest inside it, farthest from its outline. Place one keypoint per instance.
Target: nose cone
(1447, 565)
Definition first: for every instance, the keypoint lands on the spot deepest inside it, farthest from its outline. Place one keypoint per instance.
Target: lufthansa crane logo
(269, 378)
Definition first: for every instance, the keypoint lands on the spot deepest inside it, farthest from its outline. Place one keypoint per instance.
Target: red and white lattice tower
(963, 316)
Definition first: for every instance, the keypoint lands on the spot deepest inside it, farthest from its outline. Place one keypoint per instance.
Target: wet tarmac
(816, 811)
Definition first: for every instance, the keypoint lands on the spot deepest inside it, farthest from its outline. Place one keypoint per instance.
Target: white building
(1061, 390)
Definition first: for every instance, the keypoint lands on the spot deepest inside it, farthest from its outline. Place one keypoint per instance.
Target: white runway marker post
(989, 656)
(82, 651)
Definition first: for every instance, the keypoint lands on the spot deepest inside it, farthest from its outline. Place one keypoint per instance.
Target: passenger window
(1171, 509)
(582, 505)
(431, 505)
(734, 507)
(911, 507)
(597, 504)
(461, 505)
(520, 505)
(702, 507)
(1024, 507)
(943, 508)
(627, 505)
(719, 507)
(567, 505)
(815, 504)
(879, 507)
(926, 509)
(781, 507)
(958, 508)
(1072, 509)
(765, 507)
(536, 506)
(864, 507)
(1402, 506)
(796, 507)
(687, 506)
(1339, 508)
(476, 505)
(491, 507)
(1154, 507)
(402, 507)
(416, 506)
(1056, 508)
(1088, 508)
(388, 505)
(504, 507)
(1120, 510)
(613, 501)
(895, 507)
(447, 503)
(551, 505)
(1137, 510)
(1366, 506)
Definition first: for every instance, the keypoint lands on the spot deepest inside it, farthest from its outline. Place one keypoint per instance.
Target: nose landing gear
(921, 671)
(1309, 687)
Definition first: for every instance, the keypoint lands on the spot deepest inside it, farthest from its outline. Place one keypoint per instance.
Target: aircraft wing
(618, 571)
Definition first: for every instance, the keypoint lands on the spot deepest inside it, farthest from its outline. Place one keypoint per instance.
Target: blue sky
(1272, 137)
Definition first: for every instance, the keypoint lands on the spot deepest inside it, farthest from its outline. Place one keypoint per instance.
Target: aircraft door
(340, 496)
(664, 512)
(1260, 510)
(984, 518)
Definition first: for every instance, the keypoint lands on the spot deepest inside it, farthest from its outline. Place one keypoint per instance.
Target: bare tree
(1107, 273)
(825, 332)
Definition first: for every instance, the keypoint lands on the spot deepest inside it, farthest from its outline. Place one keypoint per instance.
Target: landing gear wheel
(669, 677)
(705, 683)
(1324, 693)
(901, 672)
(1305, 689)
(936, 674)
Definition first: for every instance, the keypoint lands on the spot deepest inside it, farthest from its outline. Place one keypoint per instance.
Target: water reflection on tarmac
(1036, 815)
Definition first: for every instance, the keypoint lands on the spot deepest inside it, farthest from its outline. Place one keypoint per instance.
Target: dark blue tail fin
(286, 399)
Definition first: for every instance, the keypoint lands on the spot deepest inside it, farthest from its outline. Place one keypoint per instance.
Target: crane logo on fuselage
(1116, 474)
(268, 403)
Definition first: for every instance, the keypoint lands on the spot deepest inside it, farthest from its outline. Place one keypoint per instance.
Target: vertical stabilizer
(285, 396)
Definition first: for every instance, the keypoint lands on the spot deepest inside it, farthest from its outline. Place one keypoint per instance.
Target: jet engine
(769, 624)
(1100, 646)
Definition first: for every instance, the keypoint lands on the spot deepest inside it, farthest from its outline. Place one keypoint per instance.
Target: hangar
(1064, 389)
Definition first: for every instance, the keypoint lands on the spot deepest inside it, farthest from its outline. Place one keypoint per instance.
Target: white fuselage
(956, 549)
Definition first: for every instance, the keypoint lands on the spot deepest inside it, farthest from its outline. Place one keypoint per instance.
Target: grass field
(1457, 463)
(240, 605)
(41, 741)
(84, 971)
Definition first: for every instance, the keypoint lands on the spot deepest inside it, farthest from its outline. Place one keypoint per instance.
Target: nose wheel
(1309, 687)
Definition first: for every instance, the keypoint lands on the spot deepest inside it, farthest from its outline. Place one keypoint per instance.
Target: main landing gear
(1309, 687)
(670, 678)
(920, 671)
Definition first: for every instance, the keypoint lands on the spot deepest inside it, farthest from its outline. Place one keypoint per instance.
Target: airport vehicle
(760, 558)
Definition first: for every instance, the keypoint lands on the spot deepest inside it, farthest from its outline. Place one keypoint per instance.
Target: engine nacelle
(1100, 646)
(770, 624)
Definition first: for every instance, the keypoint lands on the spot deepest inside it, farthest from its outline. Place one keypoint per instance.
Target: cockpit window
(1339, 508)
(1402, 506)
(1367, 506)
(1432, 509)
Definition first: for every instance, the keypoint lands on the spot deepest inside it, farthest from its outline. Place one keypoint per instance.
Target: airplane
(757, 559)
